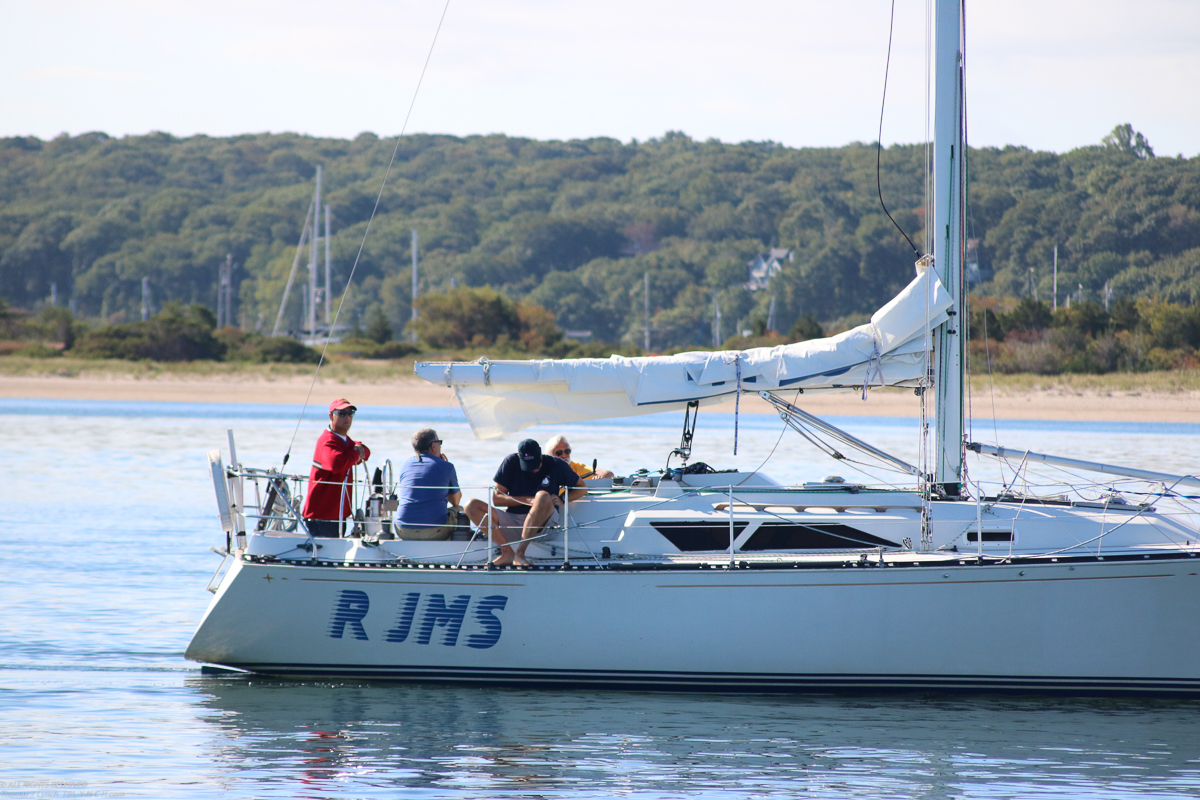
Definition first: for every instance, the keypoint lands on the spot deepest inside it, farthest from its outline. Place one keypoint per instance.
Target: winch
(374, 520)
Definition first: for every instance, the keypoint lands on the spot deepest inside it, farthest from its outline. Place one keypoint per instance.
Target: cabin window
(990, 536)
(697, 535)
(813, 536)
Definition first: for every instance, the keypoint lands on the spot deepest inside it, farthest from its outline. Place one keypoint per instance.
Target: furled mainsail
(502, 397)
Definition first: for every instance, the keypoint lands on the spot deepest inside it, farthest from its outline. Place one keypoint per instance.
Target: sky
(1046, 74)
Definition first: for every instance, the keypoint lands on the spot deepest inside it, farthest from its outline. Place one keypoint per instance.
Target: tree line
(1129, 336)
(563, 234)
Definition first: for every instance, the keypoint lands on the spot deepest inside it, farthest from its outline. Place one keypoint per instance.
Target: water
(108, 514)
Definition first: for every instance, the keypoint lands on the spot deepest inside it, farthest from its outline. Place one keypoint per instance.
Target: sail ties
(874, 364)
(737, 395)
(737, 399)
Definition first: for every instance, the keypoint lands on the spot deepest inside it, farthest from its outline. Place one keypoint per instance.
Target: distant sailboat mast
(313, 263)
(328, 284)
(310, 234)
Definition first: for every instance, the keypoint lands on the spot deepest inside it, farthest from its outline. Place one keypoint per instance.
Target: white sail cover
(502, 397)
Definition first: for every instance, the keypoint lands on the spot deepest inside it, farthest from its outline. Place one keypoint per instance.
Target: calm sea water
(107, 515)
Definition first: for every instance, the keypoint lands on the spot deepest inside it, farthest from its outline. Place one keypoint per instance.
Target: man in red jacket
(330, 478)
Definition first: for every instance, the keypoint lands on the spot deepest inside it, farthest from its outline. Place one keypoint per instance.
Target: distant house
(765, 266)
(973, 273)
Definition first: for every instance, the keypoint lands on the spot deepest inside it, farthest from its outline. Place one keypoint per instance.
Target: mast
(716, 322)
(414, 285)
(225, 292)
(1056, 276)
(328, 293)
(948, 147)
(646, 299)
(313, 264)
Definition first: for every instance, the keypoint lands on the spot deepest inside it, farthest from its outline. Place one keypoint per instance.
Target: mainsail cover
(503, 397)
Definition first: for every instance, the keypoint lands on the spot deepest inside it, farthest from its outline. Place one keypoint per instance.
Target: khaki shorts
(511, 524)
(439, 534)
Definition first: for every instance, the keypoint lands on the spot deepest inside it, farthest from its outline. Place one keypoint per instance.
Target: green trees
(575, 227)
(185, 333)
(378, 329)
(470, 317)
(1121, 218)
(1145, 334)
(178, 333)
(805, 328)
(1125, 139)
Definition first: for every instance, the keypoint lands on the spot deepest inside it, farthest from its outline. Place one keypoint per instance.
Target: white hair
(552, 442)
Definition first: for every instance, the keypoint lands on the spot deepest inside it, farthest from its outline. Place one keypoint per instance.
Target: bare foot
(504, 559)
(521, 561)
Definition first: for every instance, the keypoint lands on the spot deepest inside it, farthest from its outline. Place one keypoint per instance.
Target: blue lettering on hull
(408, 609)
(351, 607)
(487, 621)
(434, 610)
(450, 617)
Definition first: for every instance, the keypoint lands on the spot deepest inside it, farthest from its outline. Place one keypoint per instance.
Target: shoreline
(1060, 403)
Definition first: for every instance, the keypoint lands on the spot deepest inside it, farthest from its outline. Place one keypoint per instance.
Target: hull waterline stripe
(726, 681)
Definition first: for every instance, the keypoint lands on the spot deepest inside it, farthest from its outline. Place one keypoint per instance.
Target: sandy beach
(1065, 404)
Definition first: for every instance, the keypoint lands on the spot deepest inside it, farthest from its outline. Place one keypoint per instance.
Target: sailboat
(689, 578)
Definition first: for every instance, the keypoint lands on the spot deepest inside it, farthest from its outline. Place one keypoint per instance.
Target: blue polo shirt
(425, 485)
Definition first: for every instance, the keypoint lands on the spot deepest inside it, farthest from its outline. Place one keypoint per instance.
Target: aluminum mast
(948, 144)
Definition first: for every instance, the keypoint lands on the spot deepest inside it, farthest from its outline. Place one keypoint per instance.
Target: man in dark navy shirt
(527, 487)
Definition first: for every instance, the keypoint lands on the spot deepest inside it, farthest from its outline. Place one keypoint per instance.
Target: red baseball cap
(341, 403)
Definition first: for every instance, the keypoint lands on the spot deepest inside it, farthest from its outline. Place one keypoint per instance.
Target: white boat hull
(954, 625)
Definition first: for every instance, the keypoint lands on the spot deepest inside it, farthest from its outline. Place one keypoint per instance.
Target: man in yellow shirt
(559, 447)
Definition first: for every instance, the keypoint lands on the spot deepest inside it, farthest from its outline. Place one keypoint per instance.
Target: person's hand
(361, 450)
(442, 456)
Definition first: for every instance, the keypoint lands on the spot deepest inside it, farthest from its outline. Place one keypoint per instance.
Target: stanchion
(488, 519)
(731, 535)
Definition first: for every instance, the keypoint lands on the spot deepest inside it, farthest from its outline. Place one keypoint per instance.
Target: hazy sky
(1050, 74)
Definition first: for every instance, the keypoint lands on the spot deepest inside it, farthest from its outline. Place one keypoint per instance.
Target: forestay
(501, 397)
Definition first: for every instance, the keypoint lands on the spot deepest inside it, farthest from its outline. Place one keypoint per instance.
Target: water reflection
(106, 556)
(338, 740)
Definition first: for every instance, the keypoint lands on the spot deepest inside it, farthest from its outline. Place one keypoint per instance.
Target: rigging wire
(987, 353)
(374, 210)
(965, 324)
(924, 455)
(879, 141)
(965, 222)
(777, 441)
(928, 122)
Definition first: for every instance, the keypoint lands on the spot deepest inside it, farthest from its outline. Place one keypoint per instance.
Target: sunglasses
(564, 452)
(436, 441)
(345, 412)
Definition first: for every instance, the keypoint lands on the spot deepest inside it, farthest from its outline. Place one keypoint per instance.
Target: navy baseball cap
(529, 454)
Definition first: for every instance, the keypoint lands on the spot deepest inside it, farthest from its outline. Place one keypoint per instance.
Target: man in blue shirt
(427, 483)
(527, 487)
